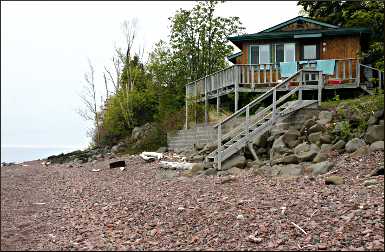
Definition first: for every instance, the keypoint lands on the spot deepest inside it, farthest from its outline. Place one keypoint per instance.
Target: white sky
(44, 50)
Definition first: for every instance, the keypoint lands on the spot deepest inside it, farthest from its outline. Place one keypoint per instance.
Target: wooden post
(320, 86)
(186, 123)
(206, 104)
(301, 86)
(358, 73)
(219, 156)
(274, 103)
(236, 97)
(252, 77)
(247, 119)
(350, 69)
(337, 74)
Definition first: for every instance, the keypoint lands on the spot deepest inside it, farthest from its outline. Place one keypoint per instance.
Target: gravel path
(144, 208)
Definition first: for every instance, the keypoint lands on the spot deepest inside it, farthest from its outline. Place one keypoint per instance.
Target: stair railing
(379, 73)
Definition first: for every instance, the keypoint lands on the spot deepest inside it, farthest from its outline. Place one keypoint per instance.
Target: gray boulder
(210, 172)
(286, 159)
(306, 152)
(315, 137)
(235, 171)
(291, 170)
(235, 161)
(334, 180)
(325, 148)
(321, 156)
(278, 148)
(374, 133)
(325, 117)
(309, 122)
(316, 128)
(261, 139)
(372, 120)
(354, 144)
(379, 114)
(290, 138)
(376, 146)
(339, 145)
(325, 139)
(363, 150)
(320, 168)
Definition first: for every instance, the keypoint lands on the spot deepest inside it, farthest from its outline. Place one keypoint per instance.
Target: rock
(363, 150)
(309, 123)
(118, 164)
(339, 145)
(161, 149)
(305, 152)
(261, 139)
(354, 144)
(210, 147)
(290, 138)
(374, 133)
(315, 137)
(370, 182)
(235, 161)
(334, 180)
(381, 122)
(291, 170)
(265, 170)
(196, 168)
(256, 163)
(378, 171)
(320, 168)
(210, 172)
(278, 148)
(197, 158)
(223, 173)
(325, 148)
(325, 117)
(376, 146)
(234, 171)
(320, 157)
(325, 139)
(379, 114)
(372, 120)
(228, 179)
(288, 159)
(199, 146)
(316, 128)
(254, 239)
(261, 151)
(117, 148)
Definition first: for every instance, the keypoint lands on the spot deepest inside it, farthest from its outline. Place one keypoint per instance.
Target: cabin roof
(233, 56)
(280, 31)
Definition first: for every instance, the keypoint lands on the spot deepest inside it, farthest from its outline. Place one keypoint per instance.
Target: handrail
(373, 68)
(204, 77)
(259, 98)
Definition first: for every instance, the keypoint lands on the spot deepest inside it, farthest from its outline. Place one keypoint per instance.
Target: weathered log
(176, 165)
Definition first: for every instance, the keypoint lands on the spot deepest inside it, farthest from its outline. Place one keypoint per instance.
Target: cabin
(268, 57)
(298, 55)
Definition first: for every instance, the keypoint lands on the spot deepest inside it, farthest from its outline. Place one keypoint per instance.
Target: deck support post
(252, 151)
(320, 86)
(379, 79)
(218, 102)
(186, 123)
(219, 156)
(274, 104)
(358, 74)
(206, 104)
(236, 97)
(196, 104)
(300, 84)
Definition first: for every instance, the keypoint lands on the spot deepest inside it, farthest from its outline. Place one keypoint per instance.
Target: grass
(366, 104)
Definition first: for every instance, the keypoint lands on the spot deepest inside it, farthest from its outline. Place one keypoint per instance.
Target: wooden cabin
(269, 57)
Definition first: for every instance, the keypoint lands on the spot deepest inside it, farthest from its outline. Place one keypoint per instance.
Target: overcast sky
(44, 51)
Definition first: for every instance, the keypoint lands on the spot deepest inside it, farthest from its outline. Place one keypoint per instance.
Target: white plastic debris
(95, 170)
(122, 168)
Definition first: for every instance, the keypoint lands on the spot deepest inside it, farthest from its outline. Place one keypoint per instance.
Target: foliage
(354, 14)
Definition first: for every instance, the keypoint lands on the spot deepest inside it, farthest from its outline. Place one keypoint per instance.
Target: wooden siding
(303, 26)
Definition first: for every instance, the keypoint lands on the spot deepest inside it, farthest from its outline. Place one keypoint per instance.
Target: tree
(354, 14)
(88, 98)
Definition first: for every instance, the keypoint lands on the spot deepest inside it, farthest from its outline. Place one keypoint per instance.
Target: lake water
(21, 154)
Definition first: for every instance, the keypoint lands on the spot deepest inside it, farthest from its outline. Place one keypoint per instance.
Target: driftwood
(176, 165)
(151, 156)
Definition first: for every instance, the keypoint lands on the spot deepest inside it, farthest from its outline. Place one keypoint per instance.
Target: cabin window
(264, 54)
(254, 54)
(309, 52)
(284, 52)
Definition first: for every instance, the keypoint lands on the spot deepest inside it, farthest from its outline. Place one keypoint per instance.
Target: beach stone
(309, 123)
(291, 170)
(234, 171)
(339, 145)
(196, 168)
(334, 180)
(374, 133)
(325, 139)
(306, 152)
(376, 146)
(363, 150)
(290, 138)
(235, 161)
(316, 128)
(315, 137)
(261, 139)
(321, 156)
(354, 144)
(372, 120)
(278, 148)
(325, 117)
(370, 182)
(210, 172)
(320, 168)
(379, 114)
(288, 159)
(325, 148)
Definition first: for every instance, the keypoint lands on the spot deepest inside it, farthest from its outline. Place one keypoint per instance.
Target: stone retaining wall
(185, 139)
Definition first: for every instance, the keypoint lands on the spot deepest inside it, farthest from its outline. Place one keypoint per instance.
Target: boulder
(374, 133)
(315, 137)
(261, 139)
(321, 156)
(376, 146)
(379, 114)
(363, 150)
(278, 148)
(291, 170)
(141, 131)
(196, 168)
(210, 147)
(261, 151)
(325, 148)
(325, 139)
(235, 171)
(339, 145)
(290, 138)
(320, 168)
(118, 147)
(325, 117)
(354, 144)
(210, 172)
(223, 173)
(256, 164)
(196, 158)
(316, 128)
(309, 123)
(334, 180)
(286, 159)
(306, 152)
(372, 120)
(235, 161)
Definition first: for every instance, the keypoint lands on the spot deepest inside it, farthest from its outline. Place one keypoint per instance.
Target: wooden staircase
(242, 136)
